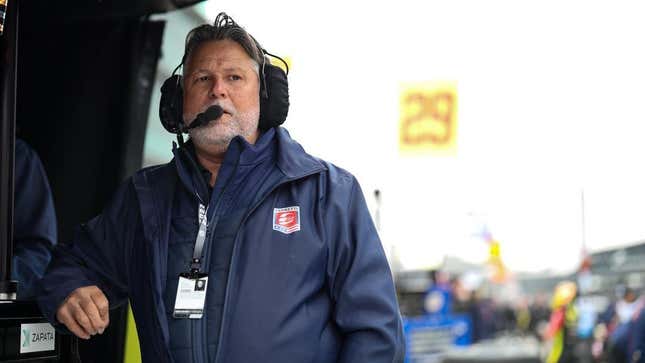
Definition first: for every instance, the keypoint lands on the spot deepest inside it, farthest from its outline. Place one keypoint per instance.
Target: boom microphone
(212, 113)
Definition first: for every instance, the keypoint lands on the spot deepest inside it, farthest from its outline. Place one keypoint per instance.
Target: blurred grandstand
(515, 313)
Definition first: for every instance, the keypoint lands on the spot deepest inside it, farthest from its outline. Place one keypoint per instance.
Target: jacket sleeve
(366, 309)
(98, 255)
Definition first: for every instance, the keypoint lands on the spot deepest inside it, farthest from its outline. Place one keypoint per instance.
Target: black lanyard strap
(201, 238)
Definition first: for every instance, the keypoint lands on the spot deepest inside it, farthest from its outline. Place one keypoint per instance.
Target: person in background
(523, 316)
(626, 307)
(562, 328)
(636, 340)
(618, 339)
(540, 314)
(34, 221)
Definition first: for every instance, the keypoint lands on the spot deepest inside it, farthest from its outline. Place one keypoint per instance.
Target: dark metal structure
(76, 82)
(8, 47)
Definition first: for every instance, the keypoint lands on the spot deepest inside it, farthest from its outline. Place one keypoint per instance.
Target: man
(34, 223)
(292, 269)
(636, 339)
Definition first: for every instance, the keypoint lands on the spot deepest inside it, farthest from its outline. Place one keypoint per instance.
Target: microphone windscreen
(212, 113)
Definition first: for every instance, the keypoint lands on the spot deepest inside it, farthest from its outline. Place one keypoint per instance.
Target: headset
(274, 94)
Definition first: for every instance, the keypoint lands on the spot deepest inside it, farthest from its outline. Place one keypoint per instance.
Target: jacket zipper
(200, 349)
(236, 250)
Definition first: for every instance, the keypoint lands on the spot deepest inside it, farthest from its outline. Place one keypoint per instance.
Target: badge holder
(192, 285)
(191, 295)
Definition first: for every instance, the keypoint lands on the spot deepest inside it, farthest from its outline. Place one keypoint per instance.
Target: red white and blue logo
(286, 220)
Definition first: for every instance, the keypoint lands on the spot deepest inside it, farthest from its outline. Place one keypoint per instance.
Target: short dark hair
(224, 27)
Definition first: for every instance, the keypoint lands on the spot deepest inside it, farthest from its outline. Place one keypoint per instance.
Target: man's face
(221, 73)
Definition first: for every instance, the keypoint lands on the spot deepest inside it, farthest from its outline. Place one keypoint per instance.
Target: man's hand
(85, 312)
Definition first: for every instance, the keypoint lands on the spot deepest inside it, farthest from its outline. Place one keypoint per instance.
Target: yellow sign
(278, 63)
(495, 263)
(493, 249)
(428, 117)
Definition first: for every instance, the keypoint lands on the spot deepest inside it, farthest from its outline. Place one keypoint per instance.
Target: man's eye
(202, 79)
(234, 77)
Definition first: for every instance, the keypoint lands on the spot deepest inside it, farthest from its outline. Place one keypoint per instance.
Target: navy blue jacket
(321, 294)
(34, 221)
(636, 344)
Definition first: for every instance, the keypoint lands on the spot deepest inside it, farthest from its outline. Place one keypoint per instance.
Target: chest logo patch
(286, 220)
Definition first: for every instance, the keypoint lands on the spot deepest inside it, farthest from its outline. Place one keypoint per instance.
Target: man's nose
(218, 89)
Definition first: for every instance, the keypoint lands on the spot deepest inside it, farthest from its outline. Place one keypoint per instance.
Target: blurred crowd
(619, 335)
(570, 326)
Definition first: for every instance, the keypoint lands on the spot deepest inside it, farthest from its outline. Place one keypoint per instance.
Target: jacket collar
(240, 152)
(292, 159)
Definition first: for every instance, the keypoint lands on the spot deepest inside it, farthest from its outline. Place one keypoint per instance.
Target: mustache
(226, 108)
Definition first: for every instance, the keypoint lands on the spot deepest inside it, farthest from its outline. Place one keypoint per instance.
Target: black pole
(9, 46)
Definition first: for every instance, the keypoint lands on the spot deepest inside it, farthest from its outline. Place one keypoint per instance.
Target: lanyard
(199, 241)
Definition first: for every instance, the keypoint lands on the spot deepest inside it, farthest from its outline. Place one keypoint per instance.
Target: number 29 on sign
(428, 120)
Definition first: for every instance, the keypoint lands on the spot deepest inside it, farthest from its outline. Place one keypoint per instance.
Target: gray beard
(202, 136)
(219, 136)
